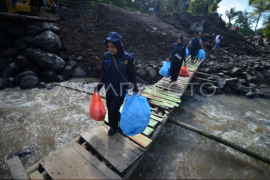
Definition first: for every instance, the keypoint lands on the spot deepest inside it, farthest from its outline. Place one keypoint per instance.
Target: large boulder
(8, 83)
(250, 95)
(2, 63)
(232, 81)
(9, 61)
(141, 72)
(10, 53)
(185, 22)
(11, 70)
(196, 27)
(20, 76)
(49, 75)
(236, 71)
(4, 42)
(13, 31)
(33, 30)
(47, 41)
(29, 82)
(67, 73)
(23, 62)
(79, 72)
(45, 60)
(151, 72)
(50, 26)
(42, 85)
(20, 46)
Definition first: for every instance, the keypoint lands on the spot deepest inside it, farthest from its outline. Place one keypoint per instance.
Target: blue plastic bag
(165, 70)
(201, 54)
(187, 52)
(135, 115)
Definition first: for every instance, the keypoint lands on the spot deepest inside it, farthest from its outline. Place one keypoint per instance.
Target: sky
(240, 5)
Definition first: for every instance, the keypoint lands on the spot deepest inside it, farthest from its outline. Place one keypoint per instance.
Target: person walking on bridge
(118, 68)
(195, 45)
(179, 48)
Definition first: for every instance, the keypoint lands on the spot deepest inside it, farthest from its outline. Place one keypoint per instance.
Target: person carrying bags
(179, 49)
(118, 71)
(195, 45)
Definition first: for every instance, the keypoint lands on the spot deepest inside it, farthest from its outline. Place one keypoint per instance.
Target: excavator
(28, 10)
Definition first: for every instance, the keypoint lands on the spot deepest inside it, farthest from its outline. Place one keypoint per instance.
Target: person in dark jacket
(206, 8)
(115, 84)
(195, 45)
(178, 48)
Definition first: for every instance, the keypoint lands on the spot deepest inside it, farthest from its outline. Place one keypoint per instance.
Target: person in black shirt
(115, 84)
(178, 48)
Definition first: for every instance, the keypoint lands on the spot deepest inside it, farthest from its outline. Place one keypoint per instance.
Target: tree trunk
(257, 24)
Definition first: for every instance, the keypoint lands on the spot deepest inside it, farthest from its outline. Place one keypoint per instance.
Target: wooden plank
(152, 123)
(79, 165)
(160, 99)
(162, 103)
(159, 105)
(182, 79)
(147, 131)
(94, 161)
(16, 168)
(57, 168)
(152, 113)
(171, 88)
(110, 148)
(179, 83)
(36, 175)
(177, 100)
(156, 118)
(133, 147)
(163, 92)
(141, 140)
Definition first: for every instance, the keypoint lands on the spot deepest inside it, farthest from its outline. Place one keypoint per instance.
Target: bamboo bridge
(95, 155)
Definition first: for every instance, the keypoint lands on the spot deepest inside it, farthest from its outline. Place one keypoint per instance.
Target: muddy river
(45, 120)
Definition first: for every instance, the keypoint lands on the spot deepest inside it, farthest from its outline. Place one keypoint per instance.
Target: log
(22, 18)
(222, 141)
(207, 80)
(77, 89)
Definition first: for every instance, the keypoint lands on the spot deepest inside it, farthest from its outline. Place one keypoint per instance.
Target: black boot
(112, 131)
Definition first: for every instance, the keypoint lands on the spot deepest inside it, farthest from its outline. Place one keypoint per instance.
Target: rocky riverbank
(43, 52)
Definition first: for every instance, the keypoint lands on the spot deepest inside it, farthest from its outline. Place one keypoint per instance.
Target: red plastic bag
(97, 110)
(184, 72)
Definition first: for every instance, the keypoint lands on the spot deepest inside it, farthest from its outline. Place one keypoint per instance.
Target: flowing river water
(45, 120)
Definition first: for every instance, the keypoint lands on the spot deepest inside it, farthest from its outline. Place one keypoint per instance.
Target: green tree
(260, 31)
(266, 31)
(246, 31)
(197, 6)
(243, 19)
(232, 14)
(260, 8)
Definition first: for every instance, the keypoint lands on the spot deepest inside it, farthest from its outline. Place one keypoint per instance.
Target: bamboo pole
(23, 18)
(222, 141)
(205, 80)
(77, 89)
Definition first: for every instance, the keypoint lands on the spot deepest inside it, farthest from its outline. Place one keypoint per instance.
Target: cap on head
(195, 34)
(113, 37)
